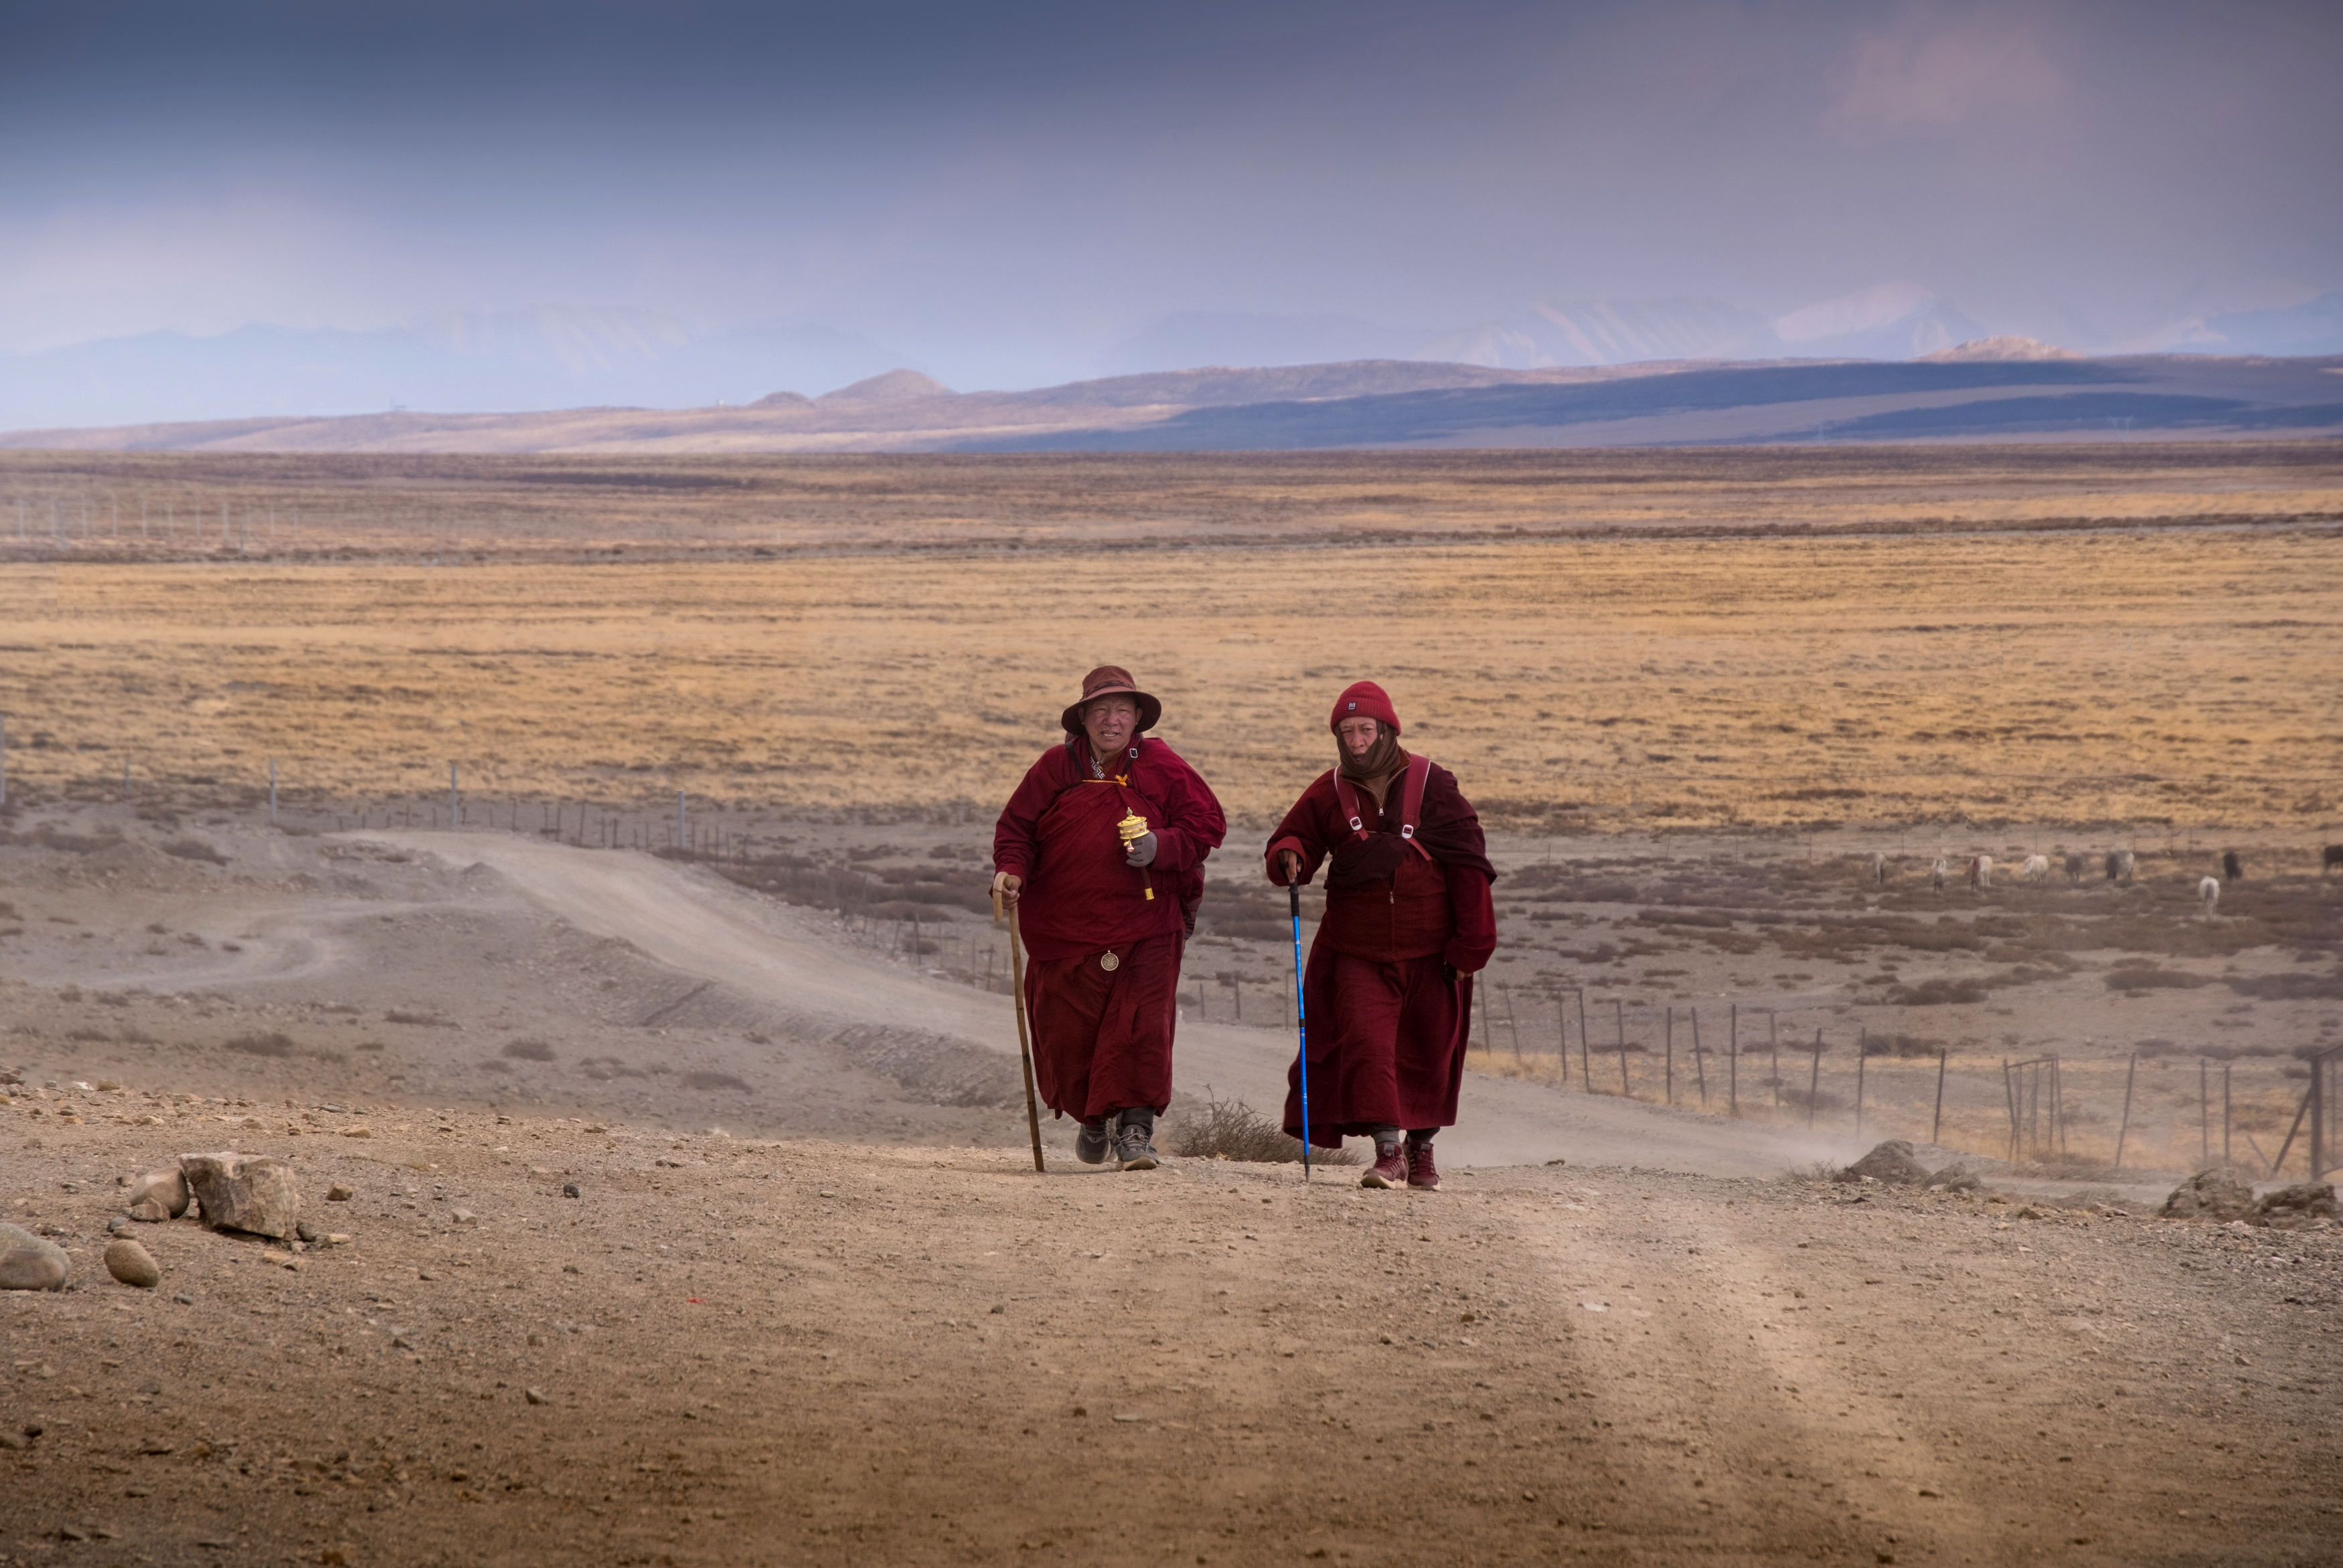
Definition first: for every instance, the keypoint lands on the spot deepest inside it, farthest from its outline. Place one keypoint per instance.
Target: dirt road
(729, 1352)
(695, 922)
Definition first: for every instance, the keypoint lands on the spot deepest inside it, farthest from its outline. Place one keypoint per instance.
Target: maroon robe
(1102, 1037)
(1386, 1022)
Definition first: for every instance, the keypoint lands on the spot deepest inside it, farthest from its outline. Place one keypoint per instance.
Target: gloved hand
(1448, 973)
(1141, 852)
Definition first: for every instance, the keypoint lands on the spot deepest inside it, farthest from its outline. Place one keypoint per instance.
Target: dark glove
(1448, 972)
(1141, 852)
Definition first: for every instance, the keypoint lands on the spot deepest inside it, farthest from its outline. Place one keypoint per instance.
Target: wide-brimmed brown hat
(1110, 680)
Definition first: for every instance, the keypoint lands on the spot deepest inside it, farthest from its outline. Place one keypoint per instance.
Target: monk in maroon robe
(1388, 995)
(1102, 848)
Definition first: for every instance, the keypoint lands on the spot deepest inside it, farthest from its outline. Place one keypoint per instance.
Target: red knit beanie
(1364, 700)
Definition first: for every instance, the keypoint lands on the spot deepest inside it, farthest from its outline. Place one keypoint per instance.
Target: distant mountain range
(562, 357)
(1998, 390)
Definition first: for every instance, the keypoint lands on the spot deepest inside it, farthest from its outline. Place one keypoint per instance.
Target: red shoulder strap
(1410, 810)
(1347, 797)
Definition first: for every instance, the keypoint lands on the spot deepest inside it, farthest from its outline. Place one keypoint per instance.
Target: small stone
(464, 1217)
(305, 1230)
(251, 1192)
(569, 1190)
(184, 1299)
(357, 1132)
(165, 1189)
(120, 1223)
(149, 1211)
(338, 1193)
(534, 1395)
(338, 1239)
(9, 1440)
(132, 1264)
(28, 1263)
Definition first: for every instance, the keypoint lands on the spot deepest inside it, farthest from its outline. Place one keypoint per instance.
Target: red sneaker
(1422, 1175)
(1389, 1169)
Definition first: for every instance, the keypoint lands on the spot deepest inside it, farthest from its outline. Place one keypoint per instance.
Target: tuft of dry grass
(1231, 1130)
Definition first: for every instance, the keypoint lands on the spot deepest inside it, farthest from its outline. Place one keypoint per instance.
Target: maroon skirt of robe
(1102, 1037)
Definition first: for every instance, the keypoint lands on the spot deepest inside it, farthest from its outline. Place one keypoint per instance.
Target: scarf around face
(1376, 770)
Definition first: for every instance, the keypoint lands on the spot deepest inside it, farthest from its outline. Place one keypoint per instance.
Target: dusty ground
(809, 1352)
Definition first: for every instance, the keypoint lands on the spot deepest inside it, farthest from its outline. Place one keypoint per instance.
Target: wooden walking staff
(1024, 1040)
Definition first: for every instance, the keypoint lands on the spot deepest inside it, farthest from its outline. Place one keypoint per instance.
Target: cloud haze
(1005, 195)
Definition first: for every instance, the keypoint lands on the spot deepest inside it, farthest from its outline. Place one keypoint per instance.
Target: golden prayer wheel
(1131, 829)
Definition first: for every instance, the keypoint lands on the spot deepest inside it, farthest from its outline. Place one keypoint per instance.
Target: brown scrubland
(1693, 694)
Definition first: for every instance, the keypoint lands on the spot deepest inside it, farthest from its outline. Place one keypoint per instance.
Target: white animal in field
(2119, 865)
(1937, 872)
(2209, 893)
(2037, 868)
(1981, 870)
(1879, 870)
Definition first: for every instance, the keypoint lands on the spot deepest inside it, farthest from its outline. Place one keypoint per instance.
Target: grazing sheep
(1981, 870)
(2232, 869)
(2334, 858)
(1937, 872)
(2119, 865)
(1879, 870)
(2037, 868)
(2209, 893)
(2075, 864)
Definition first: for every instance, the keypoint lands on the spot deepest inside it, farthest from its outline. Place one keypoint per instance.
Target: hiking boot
(1135, 1150)
(1389, 1169)
(1422, 1175)
(1092, 1142)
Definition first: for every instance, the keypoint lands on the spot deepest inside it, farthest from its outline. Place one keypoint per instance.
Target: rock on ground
(1891, 1162)
(2220, 1194)
(30, 1262)
(251, 1192)
(132, 1264)
(2296, 1205)
(165, 1189)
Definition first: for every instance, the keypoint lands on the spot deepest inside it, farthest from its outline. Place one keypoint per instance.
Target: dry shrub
(420, 1020)
(195, 850)
(715, 1080)
(274, 1043)
(1231, 1130)
(2133, 980)
(529, 1049)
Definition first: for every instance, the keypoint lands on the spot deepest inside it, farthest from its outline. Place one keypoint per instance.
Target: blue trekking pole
(1302, 1022)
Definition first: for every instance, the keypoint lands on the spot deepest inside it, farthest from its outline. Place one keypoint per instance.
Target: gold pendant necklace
(1108, 962)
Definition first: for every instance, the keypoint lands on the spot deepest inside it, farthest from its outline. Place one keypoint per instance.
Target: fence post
(1936, 1127)
(454, 799)
(1774, 1034)
(1814, 1079)
(2124, 1131)
(2009, 1096)
(1668, 1073)
(2204, 1113)
(1513, 1023)
(1619, 1019)
(1862, 1043)
(682, 841)
(272, 791)
(1699, 1068)
(4, 729)
(2225, 1112)
(1585, 1046)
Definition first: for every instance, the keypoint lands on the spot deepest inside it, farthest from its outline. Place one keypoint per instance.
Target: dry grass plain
(2131, 679)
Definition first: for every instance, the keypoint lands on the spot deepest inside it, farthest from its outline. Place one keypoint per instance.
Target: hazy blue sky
(1002, 191)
